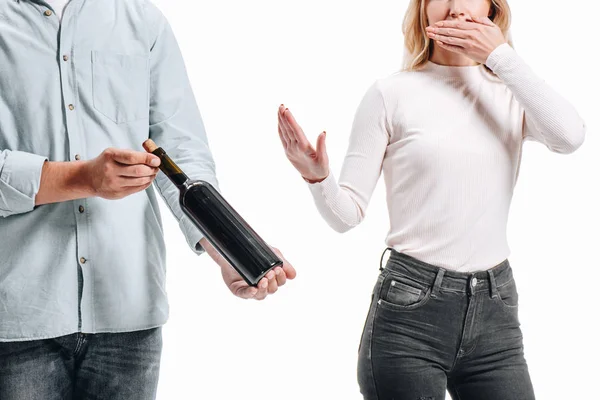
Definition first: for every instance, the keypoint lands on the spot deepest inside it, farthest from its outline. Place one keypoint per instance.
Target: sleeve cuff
(20, 181)
(192, 235)
(326, 188)
(502, 52)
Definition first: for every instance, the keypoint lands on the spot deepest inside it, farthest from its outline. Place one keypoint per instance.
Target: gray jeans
(430, 330)
(105, 366)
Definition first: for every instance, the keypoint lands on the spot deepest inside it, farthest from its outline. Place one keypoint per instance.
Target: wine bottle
(222, 226)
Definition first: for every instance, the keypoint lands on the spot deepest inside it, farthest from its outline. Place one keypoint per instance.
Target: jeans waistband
(440, 278)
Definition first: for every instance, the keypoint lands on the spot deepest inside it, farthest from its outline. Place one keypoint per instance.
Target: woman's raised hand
(312, 164)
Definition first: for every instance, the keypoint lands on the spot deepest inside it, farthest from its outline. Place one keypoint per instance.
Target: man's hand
(237, 285)
(114, 174)
(117, 173)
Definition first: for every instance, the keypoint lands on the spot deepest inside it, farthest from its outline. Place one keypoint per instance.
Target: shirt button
(48, 13)
(71, 107)
(474, 282)
(82, 260)
(77, 157)
(65, 58)
(81, 209)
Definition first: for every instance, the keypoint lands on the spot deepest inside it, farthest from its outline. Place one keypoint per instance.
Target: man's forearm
(63, 181)
(213, 253)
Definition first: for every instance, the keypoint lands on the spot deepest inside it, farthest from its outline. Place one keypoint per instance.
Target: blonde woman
(447, 131)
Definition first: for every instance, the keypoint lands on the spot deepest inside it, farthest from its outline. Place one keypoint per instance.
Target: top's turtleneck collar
(468, 71)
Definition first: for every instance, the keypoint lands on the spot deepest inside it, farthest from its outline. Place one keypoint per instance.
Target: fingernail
(263, 285)
(155, 162)
(277, 271)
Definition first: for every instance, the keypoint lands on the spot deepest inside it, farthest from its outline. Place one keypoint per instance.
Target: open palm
(313, 164)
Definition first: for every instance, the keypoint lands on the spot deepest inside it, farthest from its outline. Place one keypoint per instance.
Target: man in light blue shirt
(82, 270)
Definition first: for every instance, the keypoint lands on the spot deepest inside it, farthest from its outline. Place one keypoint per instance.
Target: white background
(319, 57)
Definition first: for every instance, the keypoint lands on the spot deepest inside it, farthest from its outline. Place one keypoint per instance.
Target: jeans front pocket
(120, 86)
(508, 295)
(402, 293)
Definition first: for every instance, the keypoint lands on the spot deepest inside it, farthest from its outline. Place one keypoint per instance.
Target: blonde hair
(418, 47)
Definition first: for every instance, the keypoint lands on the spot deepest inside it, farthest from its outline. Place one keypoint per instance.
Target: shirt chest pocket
(120, 86)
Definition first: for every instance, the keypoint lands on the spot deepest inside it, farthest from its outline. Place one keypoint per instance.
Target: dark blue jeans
(115, 366)
(430, 330)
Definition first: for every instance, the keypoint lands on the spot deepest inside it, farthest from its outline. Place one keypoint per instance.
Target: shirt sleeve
(343, 205)
(175, 121)
(20, 175)
(547, 117)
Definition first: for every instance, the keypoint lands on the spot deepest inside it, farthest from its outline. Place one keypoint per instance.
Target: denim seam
(505, 283)
(392, 273)
(476, 341)
(411, 307)
(462, 338)
(375, 312)
(442, 288)
(503, 304)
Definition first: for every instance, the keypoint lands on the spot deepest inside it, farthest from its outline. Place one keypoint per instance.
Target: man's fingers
(136, 182)
(132, 157)
(273, 286)
(290, 272)
(262, 292)
(246, 292)
(134, 189)
(138, 171)
(280, 276)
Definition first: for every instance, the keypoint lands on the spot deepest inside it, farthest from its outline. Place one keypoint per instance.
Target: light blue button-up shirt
(110, 75)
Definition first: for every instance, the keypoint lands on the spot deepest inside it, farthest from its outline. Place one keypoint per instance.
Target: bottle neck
(170, 169)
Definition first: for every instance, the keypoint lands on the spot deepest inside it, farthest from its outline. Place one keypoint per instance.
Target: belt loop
(381, 261)
(438, 282)
(493, 287)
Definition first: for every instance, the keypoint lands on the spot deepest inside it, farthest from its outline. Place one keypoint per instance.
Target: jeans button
(474, 282)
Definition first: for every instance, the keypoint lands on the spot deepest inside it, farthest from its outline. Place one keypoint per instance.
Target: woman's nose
(457, 9)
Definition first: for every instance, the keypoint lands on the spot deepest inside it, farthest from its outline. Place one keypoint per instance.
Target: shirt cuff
(192, 234)
(500, 53)
(20, 181)
(326, 188)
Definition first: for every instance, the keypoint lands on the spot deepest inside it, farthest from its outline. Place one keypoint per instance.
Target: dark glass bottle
(222, 226)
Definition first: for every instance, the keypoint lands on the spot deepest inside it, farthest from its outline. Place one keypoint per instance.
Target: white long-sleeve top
(449, 142)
